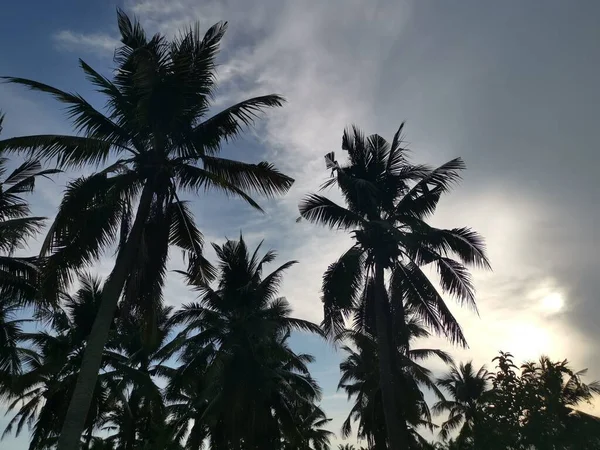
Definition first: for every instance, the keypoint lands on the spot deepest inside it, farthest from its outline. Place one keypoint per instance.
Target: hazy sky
(511, 86)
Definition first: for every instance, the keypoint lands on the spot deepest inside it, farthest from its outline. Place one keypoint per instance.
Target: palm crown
(467, 389)
(156, 136)
(236, 336)
(387, 201)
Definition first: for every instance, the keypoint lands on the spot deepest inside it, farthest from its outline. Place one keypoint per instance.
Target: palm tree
(18, 275)
(467, 389)
(387, 199)
(556, 391)
(127, 399)
(159, 143)
(242, 380)
(310, 420)
(360, 379)
(41, 393)
(138, 412)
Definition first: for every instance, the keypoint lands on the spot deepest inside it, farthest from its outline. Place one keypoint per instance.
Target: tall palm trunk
(394, 421)
(79, 405)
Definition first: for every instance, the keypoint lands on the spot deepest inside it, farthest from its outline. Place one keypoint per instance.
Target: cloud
(468, 87)
(512, 90)
(100, 44)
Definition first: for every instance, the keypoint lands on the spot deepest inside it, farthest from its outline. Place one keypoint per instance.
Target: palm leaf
(195, 178)
(456, 280)
(422, 296)
(229, 123)
(68, 151)
(319, 209)
(341, 287)
(85, 118)
(261, 178)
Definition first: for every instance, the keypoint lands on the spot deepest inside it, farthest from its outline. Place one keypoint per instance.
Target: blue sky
(510, 86)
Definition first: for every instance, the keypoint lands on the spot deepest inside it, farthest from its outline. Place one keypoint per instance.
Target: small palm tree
(158, 142)
(387, 200)
(240, 377)
(555, 392)
(467, 389)
(138, 413)
(360, 379)
(41, 393)
(310, 422)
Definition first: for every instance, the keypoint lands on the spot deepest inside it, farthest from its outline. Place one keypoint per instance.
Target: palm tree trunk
(395, 424)
(79, 405)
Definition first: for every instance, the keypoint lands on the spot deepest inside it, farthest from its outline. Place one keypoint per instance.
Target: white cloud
(375, 64)
(343, 62)
(100, 44)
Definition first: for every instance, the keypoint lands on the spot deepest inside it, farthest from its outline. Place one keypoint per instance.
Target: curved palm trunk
(79, 405)
(397, 432)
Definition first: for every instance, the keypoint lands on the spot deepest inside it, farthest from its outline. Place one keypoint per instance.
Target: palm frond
(185, 234)
(229, 123)
(85, 117)
(87, 223)
(342, 282)
(68, 151)
(396, 159)
(426, 353)
(195, 178)
(427, 303)
(319, 209)
(467, 244)
(262, 178)
(439, 180)
(456, 280)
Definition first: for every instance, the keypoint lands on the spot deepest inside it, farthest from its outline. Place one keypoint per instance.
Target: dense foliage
(106, 365)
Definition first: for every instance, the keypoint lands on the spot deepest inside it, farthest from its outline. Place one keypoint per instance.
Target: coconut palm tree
(310, 420)
(360, 379)
(41, 393)
(555, 392)
(154, 141)
(138, 413)
(127, 402)
(467, 389)
(387, 200)
(236, 354)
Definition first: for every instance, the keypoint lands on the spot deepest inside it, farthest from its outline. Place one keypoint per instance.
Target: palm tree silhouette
(555, 392)
(360, 379)
(159, 142)
(239, 378)
(52, 361)
(467, 389)
(387, 201)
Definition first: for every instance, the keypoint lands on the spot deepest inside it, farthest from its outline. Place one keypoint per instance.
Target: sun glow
(528, 341)
(553, 302)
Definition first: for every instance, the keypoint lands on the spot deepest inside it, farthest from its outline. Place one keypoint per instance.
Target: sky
(509, 86)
